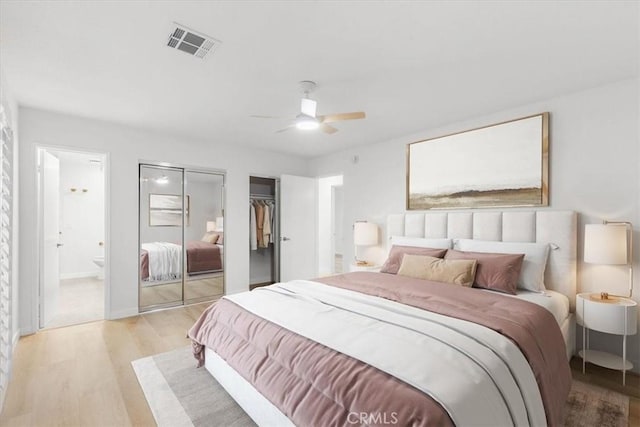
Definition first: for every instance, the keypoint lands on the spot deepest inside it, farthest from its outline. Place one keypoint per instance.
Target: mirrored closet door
(181, 233)
(204, 236)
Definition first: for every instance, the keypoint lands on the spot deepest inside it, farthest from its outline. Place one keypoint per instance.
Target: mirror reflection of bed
(179, 205)
(204, 276)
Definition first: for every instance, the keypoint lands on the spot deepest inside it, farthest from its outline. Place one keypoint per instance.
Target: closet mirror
(181, 233)
(204, 236)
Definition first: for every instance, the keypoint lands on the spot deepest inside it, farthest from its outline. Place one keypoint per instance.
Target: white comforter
(164, 260)
(478, 376)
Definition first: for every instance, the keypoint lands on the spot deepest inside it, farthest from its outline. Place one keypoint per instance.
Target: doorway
(72, 204)
(330, 227)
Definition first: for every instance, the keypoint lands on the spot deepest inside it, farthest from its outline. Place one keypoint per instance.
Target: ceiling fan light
(304, 122)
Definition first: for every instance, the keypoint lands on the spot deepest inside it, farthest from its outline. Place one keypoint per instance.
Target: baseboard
(121, 314)
(27, 331)
(80, 275)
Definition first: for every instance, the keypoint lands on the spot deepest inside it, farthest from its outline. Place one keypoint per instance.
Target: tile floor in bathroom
(80, 300)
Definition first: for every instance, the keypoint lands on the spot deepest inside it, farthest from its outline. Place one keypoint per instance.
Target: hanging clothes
(259, 222)
(272, 211)
(266, 226)
(253, 233)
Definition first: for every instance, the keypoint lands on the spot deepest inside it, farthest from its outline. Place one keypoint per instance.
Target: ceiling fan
(308, 120)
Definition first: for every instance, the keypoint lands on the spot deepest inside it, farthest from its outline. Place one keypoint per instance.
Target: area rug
(181, 395)
(590, 405)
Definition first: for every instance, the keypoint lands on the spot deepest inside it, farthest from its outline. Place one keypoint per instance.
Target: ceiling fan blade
(329, 118)
(327, 128)
(308, 107)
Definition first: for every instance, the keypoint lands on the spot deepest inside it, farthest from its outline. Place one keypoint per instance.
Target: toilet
(99, 261)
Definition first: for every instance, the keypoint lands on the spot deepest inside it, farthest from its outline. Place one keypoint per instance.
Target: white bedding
(414, 345)
(555, 302)
(164, 260)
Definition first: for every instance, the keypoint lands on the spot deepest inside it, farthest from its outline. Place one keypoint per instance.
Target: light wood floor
(81, 375)
(80, 300)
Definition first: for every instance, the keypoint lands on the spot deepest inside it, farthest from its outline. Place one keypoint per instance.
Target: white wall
(126, 147)
(81, 215)
(325, 224)
(594, 170)
(205, 196)
(338, 211)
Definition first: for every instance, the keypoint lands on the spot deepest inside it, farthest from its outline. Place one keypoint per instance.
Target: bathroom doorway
(330, 227)
(72, 236)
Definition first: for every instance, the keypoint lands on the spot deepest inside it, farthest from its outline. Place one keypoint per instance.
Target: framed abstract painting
(500, 165)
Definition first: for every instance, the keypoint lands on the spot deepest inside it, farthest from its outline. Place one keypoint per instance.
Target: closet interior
(264, 231)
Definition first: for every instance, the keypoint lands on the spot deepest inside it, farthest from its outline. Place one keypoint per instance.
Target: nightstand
(616, 316)
(371, 267)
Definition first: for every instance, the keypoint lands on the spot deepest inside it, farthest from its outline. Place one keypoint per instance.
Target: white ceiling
(409, 65)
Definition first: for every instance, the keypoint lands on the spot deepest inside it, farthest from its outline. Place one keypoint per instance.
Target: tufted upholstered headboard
(557, 228)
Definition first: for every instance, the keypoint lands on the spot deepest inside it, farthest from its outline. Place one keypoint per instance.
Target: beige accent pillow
(455, 271)
(392, 264)
(210, 237)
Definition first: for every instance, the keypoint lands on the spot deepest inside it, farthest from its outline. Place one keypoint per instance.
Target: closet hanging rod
(261, 197)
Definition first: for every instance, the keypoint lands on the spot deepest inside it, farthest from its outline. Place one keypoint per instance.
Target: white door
(50, 267)
(297, 227)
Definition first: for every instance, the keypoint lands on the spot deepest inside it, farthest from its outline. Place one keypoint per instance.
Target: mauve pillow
(498, 272)
(392, 264)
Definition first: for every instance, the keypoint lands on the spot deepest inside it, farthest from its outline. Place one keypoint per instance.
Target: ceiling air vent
(191, 42)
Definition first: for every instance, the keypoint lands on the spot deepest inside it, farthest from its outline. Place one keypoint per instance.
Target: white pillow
(534, 263)
(421, 242)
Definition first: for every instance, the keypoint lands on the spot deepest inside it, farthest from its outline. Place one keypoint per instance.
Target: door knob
(59, 245)
(284, 239)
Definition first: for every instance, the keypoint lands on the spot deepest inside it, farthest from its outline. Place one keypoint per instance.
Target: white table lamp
(364, 234)
(211, 226)
(610, 243)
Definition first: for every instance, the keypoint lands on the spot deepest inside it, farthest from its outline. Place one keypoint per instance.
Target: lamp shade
(605, 244)
(211, 226)
(365, 234)
(220, 223)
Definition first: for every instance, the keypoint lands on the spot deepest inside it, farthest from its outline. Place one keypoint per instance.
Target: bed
(374, 348)
(160, 261)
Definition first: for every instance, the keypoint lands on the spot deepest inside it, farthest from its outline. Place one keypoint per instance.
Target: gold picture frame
(499, 165)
